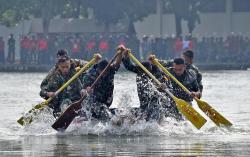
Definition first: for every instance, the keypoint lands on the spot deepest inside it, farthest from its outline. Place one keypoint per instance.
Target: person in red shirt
(33, 50)
(104, 47)
(178, 46)
(43, 57)
(24, 49)
(90, 46)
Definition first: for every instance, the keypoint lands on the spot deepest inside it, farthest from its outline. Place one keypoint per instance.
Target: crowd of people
(232, 49)
(39, 49)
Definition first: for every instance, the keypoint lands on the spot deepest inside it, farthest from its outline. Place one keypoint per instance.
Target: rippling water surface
(226, 91)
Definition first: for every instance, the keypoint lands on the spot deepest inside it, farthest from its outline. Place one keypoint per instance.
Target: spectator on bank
(33, 56)
(24, 50)
(104, 47)
(146, 46)
(76, 49)
(11, 49)
(43, 57)
(2, 58)
(178, 46)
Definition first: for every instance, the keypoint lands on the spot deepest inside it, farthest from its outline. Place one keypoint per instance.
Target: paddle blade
(215, 116)
(62, 123)
(27, 119)
(190, 113)
(23, 120)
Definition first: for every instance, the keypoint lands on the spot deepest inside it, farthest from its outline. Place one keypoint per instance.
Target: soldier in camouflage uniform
(188, 57)
(188, 78)
(151, 100)
(74, 64)
(101, 97)
(60, 76)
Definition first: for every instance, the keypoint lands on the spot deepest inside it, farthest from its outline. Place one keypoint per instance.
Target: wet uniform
(100, 100)
(198, 75)
(74, 63)
(68, 95)
(188, 79)
(150, 99)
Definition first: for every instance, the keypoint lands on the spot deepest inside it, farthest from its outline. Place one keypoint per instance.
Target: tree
(106, 12)
(112, 11)
(14, 11)
(184, 10)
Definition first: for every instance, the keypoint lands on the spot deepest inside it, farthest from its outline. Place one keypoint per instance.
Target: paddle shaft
(46, 102)
(186, 109)
(156, 62)
(70, 113)
(214, 115)
(150, 74)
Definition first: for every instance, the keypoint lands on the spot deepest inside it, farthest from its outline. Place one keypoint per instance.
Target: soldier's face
(179, 69)
(64, 67)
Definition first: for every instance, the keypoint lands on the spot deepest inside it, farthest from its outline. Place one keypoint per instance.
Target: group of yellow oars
(184, 107)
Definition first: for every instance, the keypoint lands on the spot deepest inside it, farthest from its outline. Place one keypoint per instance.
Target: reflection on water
(93, 145)
(226, 91)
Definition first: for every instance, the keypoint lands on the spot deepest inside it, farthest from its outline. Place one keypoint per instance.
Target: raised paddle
(185, 108)
(70, 113)
(215, 116)
(27, 119)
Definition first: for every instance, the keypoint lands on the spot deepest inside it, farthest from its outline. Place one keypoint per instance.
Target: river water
(226, 91)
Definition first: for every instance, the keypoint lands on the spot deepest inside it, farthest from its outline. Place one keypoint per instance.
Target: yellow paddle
(215, 116)
(186, 109)
(28, 118)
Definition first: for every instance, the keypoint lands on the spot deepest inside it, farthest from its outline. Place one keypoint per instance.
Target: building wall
(218, 24)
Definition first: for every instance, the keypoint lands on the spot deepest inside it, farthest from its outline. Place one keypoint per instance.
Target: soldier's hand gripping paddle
(215, 116)
(70, 113)
(185, 108)
(27, 119)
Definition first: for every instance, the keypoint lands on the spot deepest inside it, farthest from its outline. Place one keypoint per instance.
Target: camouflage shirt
(57, 80)
(145, 90)
(198, 75)
(188, 79)
(103, 90)
(192, 67)
(74, 63)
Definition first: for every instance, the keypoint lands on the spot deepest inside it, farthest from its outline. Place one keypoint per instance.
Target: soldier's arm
(195, 91)
(116, 64)
(129, 65)
(47, 78)
(166, 63)
(199, 80)
(51, 87)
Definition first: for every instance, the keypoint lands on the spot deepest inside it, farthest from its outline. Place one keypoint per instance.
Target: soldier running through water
(60, 76)
(101, 96)
(187, 77)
